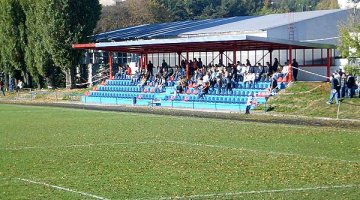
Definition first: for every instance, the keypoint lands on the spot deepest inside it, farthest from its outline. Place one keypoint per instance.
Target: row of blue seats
(120, 82)
(213, 99)
(130, 89)
(257, 85)
(128, 95)
(120, 88)
(233, 92)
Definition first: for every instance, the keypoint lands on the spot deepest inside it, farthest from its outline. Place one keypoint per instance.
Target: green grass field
(309, 99)
(58, 153)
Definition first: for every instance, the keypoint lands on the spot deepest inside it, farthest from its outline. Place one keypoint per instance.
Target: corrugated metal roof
(261, 23)
(164, 30)
(222, 26)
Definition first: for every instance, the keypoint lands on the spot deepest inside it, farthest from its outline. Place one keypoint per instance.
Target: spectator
(200, 64)
(273, 86)
(285, 71)
(334, 89)
(358, 84)
(295, 69)
(164, 65)
(250, 101)
(128, 70)
(204, 90)
(206, 78)
(136, 77)
(337, 76)
(350, 83)
(120, 73)
(2, 88)
(179, 88)
(275, 66)
(19, 86)
(260, 72)
(248, 62)
(228, 82)
(150, 68)
(342, 85)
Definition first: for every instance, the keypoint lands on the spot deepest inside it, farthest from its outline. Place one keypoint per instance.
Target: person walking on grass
(250, 101)
(334, 90)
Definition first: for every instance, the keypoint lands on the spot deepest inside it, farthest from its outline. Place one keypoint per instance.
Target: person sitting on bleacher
(160, 84)
(249, 75)
(120, 73)
(165, 73)
(128, 70)
(206, 78)
(136, 77)
(204, 90)
(177, 74)
(179, 88)
(285, 71)
(241, 72)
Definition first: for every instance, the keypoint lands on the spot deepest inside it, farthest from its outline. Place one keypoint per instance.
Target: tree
(67, 22)
(12, 38)
(132, 12)
(327, 4)
(349, 44)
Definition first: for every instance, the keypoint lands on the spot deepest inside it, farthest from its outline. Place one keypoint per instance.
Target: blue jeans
(351, 92)
(334, 94)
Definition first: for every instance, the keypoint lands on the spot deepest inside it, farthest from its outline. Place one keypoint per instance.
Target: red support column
(221, 57)
(328, 63)
(179, 58)
(141, 64)
(234, 56)
(110, 65)
(146, 59)
(290, 75)
(187, 64)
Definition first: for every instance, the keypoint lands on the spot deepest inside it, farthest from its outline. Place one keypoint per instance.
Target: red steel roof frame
(239, 45)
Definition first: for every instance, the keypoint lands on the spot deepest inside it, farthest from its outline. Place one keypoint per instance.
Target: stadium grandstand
(215, 63)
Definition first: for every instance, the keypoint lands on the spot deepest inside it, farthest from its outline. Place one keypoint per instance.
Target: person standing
(150, 68)
(249, 103)
(334, 90)
(275, 66)
(2, 89)
(19, 86)
(295, 69)
(350, 83)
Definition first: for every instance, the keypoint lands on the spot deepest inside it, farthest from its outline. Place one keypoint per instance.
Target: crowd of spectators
(203, 77)
(343, 86)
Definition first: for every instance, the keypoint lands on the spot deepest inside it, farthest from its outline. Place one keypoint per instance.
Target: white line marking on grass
(77, 145)
(180, 143)
(62, 188)
(229, 194)
(259, 151)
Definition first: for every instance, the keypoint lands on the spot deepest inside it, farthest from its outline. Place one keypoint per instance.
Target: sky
(109, 2)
